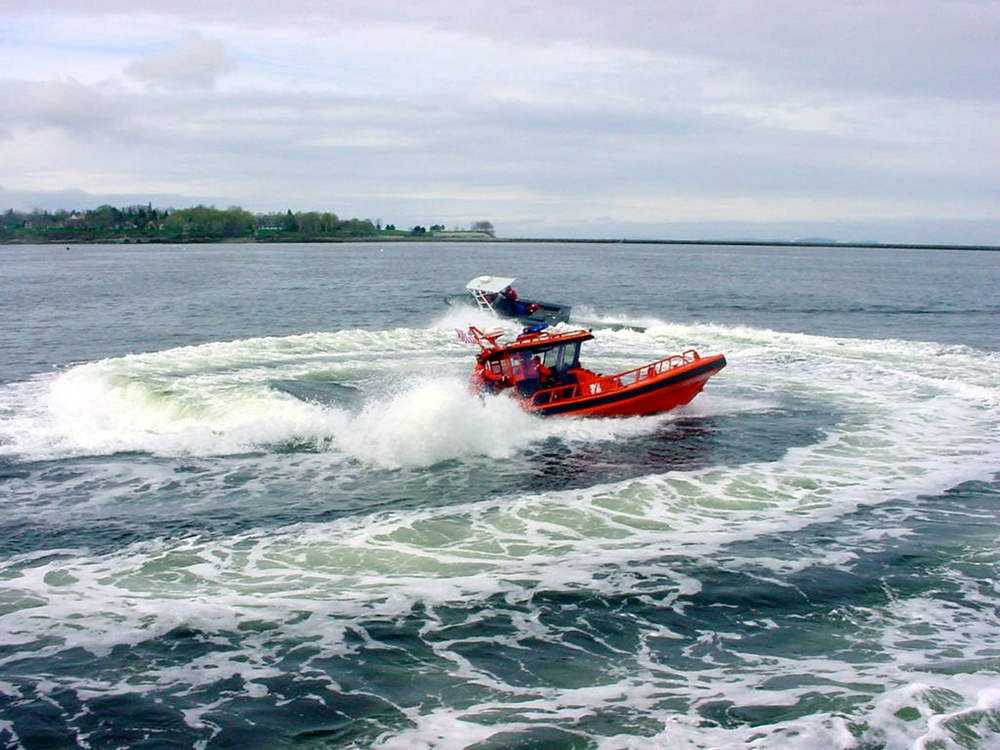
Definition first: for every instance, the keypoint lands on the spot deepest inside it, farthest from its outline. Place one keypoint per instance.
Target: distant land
(146, 224)
(763, 243)
(202, 224)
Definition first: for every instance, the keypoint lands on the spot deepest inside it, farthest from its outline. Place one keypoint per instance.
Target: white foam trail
(909, 419)
(905, 405)
(587, 318)
(433, 420)
(463, 316)
(217, 399)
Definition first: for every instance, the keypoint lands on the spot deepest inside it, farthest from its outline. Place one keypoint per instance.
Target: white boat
(496, 294)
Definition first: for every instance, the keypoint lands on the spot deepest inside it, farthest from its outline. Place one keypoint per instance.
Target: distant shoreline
(773, 243)
(140, 225)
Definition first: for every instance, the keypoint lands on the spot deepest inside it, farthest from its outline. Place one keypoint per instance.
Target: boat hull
(650, 395)
(529, 312)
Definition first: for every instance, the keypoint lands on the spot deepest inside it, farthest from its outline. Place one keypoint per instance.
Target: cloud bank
(675, 120)
(196, 64)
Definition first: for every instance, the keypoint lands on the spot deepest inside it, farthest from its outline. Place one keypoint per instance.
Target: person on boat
(508, 301)
(546, 374)
(488, 380)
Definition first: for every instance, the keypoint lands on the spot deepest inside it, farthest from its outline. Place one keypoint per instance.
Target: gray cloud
(66, 105)
(538, 116)
(196, 64)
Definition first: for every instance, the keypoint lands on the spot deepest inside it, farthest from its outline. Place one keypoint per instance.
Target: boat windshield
(519, 366)
(561, 357)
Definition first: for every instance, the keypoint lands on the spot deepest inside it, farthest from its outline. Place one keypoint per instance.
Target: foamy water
(906, 419)
(324, 539)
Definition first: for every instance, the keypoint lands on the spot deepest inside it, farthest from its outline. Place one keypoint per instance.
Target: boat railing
(649, 371)
(559, 393)
(655, 369)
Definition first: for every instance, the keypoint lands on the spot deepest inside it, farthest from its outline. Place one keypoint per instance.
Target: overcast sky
(702, 119)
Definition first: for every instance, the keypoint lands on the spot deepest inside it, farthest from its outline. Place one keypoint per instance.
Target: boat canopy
(536, 342)
(490, 284)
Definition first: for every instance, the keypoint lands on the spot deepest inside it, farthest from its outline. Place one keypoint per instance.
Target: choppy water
(247, 502)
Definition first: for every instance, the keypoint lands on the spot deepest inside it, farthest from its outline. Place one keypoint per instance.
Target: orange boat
(541, 368)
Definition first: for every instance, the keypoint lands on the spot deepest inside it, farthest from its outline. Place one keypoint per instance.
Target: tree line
(197, 224)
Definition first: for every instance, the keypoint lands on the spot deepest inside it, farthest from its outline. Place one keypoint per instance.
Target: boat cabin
(535, 360)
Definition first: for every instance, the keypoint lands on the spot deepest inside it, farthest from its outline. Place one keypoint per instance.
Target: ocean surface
(247, 501)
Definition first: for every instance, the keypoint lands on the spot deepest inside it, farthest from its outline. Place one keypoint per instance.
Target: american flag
(466, 335)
